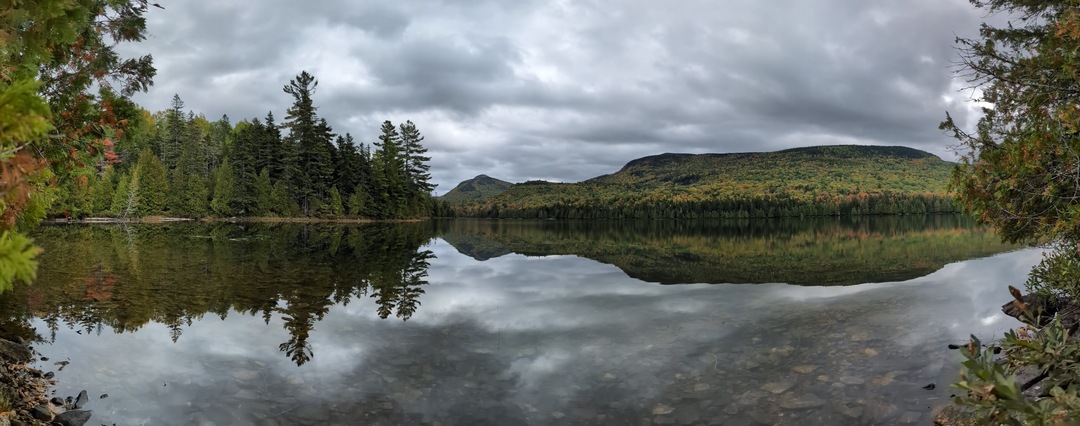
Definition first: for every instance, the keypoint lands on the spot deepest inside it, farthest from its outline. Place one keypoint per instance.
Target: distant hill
(811, 181)
(477, 188)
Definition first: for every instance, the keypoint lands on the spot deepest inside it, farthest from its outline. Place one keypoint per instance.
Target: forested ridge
(178, 163)
(477, 188)
(811, 181)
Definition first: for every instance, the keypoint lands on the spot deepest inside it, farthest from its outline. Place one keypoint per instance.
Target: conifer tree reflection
(127, 277)
(400, 292)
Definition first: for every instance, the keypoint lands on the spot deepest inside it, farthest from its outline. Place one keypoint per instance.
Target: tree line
(750, 206)
(177, 163)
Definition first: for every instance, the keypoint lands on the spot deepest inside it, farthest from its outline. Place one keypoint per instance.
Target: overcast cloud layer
(568, 90)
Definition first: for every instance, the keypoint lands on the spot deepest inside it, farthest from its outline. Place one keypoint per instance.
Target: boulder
(15, 352)
(73, 418)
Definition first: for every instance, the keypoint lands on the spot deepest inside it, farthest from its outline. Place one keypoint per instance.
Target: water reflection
(126, 277)
(814, 251)
(182, 324)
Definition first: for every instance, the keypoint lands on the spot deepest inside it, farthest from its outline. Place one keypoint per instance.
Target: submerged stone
(662, 409)
(777, 387)
(793, 402)
(852, 380)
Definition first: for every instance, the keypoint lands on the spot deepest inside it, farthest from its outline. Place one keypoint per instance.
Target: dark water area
(514, 322)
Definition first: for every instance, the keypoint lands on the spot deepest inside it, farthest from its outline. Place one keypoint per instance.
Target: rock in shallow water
(852, 380)
(777, 387)
(800, 402)
(81, 400)
(662, 409)
(73, 418)
(853, 411)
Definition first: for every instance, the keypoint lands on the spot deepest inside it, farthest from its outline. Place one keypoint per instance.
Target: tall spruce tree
(269, 152)
(175, 131)
(150, 185)
(310, 137)
(347, 165)
(416, 170)
(416, 167)
(218, 143)
(224, 201)
(243, 159)
(389, 185)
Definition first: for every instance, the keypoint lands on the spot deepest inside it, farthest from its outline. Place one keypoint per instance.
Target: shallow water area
(513, 323)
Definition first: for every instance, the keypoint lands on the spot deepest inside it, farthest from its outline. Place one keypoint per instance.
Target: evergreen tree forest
(178, 163)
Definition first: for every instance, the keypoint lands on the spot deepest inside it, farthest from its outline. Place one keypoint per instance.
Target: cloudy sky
(567, 90)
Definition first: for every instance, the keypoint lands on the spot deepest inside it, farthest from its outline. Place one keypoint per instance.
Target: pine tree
(175, 130)
(217, 145)
(150, 185)
(264, 201)
(283, 203)
(348, 171)
(389, 185)
(358, 202)
(336, 208)
(269, 149)
(417, 172)
(103, 192)
(310, 137)
(366, 183)
(224, 190)
(416, 167)
(123, 202)
(189, 183)
(243, 159)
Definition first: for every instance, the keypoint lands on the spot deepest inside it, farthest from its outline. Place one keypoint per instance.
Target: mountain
(477, 188)
(811, 181)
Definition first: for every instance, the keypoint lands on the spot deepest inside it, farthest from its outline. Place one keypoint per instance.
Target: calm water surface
(512, 322)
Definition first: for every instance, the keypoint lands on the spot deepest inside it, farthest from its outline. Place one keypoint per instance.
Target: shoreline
(1036, 313)
(25, 390)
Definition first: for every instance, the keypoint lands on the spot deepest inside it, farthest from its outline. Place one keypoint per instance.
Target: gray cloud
(570, 90)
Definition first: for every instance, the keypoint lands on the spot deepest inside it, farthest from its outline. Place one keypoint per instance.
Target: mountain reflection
(124, 277)
(815, 251)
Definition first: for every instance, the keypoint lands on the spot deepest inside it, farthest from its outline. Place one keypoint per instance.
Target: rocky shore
(24, 392)
(1030, 378)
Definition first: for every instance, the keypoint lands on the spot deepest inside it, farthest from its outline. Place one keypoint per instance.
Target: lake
(801, 322)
